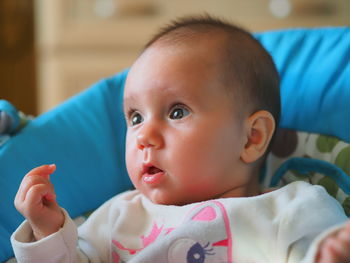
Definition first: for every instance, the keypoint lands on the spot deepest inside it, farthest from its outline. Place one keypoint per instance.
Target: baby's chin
(170, 200)
(163, 199)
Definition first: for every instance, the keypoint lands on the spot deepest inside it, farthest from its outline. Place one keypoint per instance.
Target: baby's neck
(249, 189)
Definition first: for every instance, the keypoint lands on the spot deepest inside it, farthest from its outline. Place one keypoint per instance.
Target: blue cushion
(85, 135)
(85, 138)
(314, 65)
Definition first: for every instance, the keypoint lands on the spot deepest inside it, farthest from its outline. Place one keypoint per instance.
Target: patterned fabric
(289, 143)
(130, 228)
(11, 121)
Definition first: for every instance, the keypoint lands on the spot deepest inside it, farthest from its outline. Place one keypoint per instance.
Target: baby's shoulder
(302, 195)
(302, 190)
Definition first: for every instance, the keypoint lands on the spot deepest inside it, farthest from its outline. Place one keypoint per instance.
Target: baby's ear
(260, 127)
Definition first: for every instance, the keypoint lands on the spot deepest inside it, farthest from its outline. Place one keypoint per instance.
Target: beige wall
(81, 41)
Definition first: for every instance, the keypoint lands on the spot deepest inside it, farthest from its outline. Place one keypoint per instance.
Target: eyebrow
(128, 100)
(131, 99)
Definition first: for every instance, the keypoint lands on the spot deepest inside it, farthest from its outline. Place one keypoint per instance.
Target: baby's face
(184, 138)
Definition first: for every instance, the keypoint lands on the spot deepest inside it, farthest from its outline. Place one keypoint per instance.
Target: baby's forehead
(185, 87)
(199, 54)
(209, 53)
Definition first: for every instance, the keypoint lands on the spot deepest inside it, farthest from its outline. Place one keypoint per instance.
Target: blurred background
(53, 49)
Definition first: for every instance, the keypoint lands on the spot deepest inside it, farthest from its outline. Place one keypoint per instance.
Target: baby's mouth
(152, 174)
(153, 170)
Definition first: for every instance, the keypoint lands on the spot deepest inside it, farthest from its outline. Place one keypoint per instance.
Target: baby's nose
(149, 137)
(142, 142)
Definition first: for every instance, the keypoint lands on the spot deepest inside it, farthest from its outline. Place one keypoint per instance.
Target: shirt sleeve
(58, 247)
(89, 243)
(309, 214)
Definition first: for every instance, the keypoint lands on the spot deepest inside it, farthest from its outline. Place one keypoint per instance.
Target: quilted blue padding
(314, 65)
(85, 135)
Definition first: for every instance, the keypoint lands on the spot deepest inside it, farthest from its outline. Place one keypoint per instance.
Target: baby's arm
(336, 247)
(36, 201)
(54, 228)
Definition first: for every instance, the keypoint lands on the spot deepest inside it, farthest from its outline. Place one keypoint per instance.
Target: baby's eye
(178, 112)
(135, 118)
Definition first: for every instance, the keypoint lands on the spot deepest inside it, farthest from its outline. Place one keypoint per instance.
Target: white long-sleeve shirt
(276, 227)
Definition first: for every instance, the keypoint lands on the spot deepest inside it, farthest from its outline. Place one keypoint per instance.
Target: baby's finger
(29, 182)
(33, 177)
(338, 250)
(347, 226)
(344, 236)
(26, 183)
(44, 170)
(325, 256)
(36, 198)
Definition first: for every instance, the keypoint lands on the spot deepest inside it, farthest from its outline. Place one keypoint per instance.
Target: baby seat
(85, 135)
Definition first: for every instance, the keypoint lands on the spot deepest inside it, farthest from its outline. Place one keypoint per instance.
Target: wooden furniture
(17, 56)
(81, 41)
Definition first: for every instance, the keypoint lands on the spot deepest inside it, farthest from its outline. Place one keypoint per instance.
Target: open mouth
(153, 170)
(152, 174)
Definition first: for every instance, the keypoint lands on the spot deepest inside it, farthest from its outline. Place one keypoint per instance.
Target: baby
(201, 104)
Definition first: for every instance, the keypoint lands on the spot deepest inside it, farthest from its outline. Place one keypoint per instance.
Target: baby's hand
(36, 201)
(336, 248)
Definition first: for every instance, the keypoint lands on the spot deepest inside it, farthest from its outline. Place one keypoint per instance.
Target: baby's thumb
(50, 197)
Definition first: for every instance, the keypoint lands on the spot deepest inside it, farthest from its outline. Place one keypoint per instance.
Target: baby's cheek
(131, 165)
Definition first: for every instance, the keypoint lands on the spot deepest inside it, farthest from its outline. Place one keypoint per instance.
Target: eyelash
(178, 106)
(129, 114)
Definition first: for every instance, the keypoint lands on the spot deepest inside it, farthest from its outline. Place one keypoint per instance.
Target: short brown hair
(246, 64)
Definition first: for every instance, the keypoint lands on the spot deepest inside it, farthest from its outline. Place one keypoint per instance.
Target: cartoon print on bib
(203, 236)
